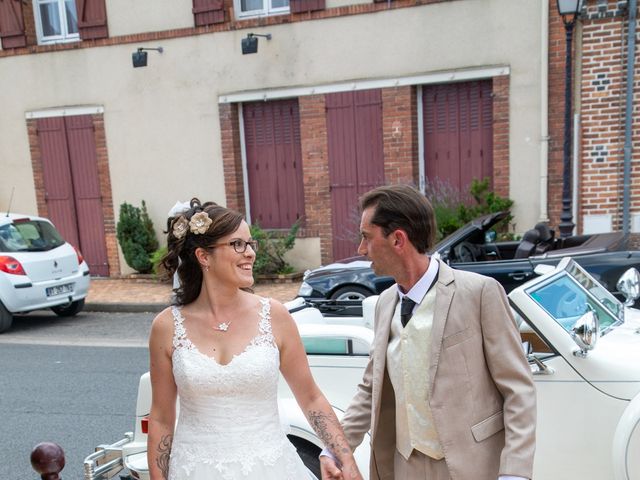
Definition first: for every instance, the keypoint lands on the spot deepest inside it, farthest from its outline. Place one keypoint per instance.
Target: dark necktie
(406, 310)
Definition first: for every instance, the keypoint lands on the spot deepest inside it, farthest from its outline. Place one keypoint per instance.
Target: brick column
(400, 135)
(500, 115)
(104, 177)
(603, 98)
(315, 167)
(232, 156)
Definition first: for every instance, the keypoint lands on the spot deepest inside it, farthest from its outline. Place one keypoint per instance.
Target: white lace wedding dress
(228, 427)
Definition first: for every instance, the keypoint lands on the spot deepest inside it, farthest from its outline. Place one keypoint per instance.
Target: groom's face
(375, 245)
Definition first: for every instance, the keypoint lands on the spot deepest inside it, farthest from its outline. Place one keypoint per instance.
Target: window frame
(65, 37)
(268, 11)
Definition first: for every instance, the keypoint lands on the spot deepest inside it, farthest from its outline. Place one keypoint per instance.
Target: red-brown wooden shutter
(298, 6)
(458, 133)
(208, 12)
(86, 188)
(92, 19)
(356, 160)
(274, 162)
(12, 24)
(58, 187)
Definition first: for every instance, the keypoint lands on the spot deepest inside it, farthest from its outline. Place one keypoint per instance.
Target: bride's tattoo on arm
(164, 452)
(333, 438)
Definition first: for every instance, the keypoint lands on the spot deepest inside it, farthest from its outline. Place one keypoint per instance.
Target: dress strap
(264, 326)
(180, 339)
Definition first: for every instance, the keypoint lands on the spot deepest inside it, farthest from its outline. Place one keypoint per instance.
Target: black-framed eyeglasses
(239, 245)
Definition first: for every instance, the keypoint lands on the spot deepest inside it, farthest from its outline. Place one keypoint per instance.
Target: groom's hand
(329, 469)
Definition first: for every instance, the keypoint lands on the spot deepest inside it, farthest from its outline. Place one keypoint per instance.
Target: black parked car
(606, 256)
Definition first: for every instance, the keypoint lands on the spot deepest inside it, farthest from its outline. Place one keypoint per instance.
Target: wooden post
(48, 460)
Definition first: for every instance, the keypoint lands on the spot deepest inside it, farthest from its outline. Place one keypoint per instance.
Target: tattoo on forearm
(164, 452)
(333, 438)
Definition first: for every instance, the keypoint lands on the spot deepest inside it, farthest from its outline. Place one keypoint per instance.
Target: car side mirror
(629, 285)
(585, 332)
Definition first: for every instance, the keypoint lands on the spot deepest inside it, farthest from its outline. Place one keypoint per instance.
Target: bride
(220, 350)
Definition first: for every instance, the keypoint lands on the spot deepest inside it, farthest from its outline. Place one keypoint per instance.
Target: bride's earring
(205, 268)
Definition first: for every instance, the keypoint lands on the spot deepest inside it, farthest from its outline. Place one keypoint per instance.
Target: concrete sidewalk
(148, 295)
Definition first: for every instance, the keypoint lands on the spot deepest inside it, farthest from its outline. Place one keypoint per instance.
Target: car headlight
(305, 290)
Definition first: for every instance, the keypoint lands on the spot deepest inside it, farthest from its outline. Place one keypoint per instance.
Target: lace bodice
(228, 413)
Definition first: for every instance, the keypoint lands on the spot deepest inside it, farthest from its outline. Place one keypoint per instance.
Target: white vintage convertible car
(584, 351)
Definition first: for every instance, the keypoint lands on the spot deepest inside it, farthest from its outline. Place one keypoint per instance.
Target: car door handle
(520, 275)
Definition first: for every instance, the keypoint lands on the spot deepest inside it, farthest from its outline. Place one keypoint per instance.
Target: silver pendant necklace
(222, 327)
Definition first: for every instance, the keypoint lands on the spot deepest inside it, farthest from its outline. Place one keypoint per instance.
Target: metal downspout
(631, 50)
(544, 111)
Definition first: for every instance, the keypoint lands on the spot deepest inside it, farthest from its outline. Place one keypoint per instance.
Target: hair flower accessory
(199, 223)
(180, 227)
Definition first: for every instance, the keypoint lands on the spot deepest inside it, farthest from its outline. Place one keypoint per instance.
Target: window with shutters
(254, 8)
(56, 21)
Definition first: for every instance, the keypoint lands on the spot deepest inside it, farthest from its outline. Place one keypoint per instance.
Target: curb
(125, 307)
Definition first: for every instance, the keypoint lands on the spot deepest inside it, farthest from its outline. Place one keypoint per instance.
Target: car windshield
(29, 236)
(570, 293)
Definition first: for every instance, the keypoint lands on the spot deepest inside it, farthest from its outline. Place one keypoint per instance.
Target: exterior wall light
(250, 44)
(139, 57)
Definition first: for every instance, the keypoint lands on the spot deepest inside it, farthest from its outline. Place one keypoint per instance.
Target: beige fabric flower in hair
(180, 227)
(199, 223)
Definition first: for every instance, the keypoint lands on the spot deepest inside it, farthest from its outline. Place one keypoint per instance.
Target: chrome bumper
(106, 461)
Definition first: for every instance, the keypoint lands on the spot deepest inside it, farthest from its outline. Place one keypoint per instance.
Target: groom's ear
(400, 238)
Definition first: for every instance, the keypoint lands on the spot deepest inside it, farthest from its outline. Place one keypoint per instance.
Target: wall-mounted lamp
(250, 44)
(139, 57)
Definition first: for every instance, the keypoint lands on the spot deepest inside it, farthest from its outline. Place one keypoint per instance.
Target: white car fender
(297, 425)
(626, 441)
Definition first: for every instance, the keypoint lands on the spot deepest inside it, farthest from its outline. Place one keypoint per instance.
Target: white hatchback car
(38, 269)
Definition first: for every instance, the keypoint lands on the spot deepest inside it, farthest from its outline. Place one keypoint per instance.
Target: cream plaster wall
(127, 17)
(161, 121)
(305, 254)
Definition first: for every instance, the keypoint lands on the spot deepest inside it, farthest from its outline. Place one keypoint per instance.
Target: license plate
(59, 289)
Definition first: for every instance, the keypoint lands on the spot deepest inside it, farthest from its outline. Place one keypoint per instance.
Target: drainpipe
(544, 110)
(631, 50)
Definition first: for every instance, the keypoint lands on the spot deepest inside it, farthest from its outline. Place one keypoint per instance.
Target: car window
(566, 301)
(29, 236)
(334, 346)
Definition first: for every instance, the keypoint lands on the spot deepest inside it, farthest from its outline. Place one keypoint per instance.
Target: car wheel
(69, 309)
(352, 292)
(308, 453)
(6, 318)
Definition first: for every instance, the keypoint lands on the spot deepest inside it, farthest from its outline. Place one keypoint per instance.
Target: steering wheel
(465, 252)
(570, 304)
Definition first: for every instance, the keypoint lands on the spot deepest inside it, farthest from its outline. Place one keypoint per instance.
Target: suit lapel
(387, 308)
(444, 294)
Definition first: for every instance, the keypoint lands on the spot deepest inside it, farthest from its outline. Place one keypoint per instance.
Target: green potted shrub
(136, 237)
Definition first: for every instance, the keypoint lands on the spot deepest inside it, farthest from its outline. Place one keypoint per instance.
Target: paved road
(57, 386)
(89, 329)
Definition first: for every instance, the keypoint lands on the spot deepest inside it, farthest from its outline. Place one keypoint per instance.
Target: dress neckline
(182, 341)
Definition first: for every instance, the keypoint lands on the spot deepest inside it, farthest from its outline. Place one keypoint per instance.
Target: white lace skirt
(187, 464)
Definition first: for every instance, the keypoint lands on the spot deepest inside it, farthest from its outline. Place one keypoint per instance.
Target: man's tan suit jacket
(482, 393)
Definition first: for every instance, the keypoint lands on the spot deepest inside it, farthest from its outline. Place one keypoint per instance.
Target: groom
(448, 392)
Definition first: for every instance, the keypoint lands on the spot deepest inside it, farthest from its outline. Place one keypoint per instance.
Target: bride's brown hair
(181, 246)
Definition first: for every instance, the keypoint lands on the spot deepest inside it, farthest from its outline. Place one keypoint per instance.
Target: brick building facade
(184, 112)
(600, 68)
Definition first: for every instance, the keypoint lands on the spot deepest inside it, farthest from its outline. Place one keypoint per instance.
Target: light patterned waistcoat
(408, 366)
